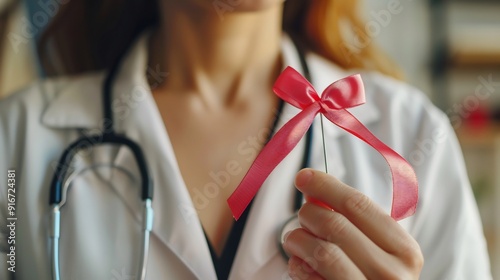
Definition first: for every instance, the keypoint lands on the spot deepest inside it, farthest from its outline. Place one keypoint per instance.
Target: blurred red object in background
(478, 119)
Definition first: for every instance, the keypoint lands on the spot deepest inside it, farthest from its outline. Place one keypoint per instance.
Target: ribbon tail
(280, 145)
(405, 185)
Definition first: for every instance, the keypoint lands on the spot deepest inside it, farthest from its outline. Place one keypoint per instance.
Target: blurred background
(451, 51)
(448, 49)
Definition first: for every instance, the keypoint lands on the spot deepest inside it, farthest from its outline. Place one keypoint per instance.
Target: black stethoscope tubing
(306, 159)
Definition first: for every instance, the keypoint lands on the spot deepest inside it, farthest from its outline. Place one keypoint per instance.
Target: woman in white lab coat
(194, 91)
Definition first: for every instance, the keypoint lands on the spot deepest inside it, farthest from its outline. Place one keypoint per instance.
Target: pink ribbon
(349, 92)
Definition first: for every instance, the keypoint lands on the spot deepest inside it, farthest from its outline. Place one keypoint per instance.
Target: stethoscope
(61, 181)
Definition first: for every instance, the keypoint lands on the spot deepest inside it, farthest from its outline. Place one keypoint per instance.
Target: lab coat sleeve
(447, 224)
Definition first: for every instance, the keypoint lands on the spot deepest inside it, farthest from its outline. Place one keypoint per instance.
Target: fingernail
(286, 236)
(303, 177)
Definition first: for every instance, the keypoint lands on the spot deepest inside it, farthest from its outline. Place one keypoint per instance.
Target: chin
(234, 5)
(251, 5)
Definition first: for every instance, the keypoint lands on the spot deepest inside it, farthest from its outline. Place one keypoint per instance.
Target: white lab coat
(100, 232)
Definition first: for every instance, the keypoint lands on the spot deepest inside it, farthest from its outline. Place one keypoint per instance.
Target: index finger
(356, 207)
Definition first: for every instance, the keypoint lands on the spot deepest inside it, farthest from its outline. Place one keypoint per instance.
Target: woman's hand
(357, 240)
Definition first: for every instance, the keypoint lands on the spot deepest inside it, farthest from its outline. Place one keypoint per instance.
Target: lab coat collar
(77, 103)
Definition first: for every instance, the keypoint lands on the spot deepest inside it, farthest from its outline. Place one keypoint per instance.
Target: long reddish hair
(90, 35)
(4, 18)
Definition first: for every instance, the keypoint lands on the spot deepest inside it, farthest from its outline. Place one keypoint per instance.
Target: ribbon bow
(349, 92)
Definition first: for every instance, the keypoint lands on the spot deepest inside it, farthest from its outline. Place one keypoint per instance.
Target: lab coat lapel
(175, 223)
(272, 206)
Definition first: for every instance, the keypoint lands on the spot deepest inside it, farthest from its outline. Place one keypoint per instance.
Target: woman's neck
(220, 58)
